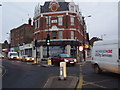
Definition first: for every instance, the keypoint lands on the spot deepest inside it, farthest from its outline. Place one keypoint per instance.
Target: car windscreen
(64, 55)
(1, 55)
(15, 54)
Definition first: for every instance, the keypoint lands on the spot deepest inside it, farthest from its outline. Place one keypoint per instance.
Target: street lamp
(103, 36)
(84, 27)
(8, 37)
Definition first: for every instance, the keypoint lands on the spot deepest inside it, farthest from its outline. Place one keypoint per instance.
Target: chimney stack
(29, 21)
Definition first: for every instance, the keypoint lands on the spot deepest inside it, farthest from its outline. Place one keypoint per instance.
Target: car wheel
(97, 69)
(52, 62)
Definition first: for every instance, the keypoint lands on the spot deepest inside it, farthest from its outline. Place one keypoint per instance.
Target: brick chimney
(29, 21)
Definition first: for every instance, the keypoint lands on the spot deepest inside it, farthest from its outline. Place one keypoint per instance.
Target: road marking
(86, 82)
(80, 83)
(99, 85)
(4, 71)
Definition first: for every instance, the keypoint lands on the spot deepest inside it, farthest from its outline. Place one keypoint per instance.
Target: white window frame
(48, 21)
(35, 24)
(54, 35)
(38, 23)
(72, 20)
(60, 34)
(72, 34)
(60, 21)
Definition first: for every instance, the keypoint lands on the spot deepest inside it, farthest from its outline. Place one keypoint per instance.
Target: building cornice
(50, 13)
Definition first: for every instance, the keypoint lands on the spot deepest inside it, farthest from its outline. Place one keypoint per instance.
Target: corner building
(65, 24)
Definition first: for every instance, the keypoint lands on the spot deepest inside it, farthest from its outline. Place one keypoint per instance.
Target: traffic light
(48, 39)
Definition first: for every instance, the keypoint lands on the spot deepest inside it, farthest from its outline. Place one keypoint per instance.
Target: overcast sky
(104, 14)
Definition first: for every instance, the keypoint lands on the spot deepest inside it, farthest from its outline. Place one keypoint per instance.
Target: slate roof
(63, 7)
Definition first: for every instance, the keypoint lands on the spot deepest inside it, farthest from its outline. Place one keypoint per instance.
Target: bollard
(49, 61)
(63, 74)
(35, 61)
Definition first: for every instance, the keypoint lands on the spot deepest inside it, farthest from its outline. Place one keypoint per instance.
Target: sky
(103, 20)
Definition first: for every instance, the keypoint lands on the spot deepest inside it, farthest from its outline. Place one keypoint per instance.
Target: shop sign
(26, 46)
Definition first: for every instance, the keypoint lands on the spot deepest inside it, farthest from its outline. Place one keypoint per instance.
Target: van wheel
(97, 69)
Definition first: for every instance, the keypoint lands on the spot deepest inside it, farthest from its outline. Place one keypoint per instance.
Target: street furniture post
(49, 61)
(63, 74)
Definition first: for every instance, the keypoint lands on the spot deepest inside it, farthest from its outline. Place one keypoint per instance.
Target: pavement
(70, 82)
(0, 70)
(55, 82)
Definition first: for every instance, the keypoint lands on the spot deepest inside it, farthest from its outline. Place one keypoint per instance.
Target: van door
(110, 57)
(119, 61)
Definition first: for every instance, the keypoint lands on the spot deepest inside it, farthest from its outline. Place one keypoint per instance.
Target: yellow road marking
(99, 85)
(80, 83)
(86, 82)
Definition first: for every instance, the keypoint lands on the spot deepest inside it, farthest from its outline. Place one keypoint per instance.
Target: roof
(22, 26)
(106, 42)
(63, 6)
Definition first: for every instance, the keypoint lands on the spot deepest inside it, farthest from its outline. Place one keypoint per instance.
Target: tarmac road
(25, 75)
(105, 80)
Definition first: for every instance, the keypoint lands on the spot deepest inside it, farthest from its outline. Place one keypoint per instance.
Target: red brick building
(65, 24)
(21, 36)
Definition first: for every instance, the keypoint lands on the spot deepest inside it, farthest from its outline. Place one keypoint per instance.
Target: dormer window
(72, 8)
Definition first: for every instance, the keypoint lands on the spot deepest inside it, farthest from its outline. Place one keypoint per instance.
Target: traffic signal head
(48, 42)
(48, 39)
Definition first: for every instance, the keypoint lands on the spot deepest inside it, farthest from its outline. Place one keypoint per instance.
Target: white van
(106, 56)
(13, 55)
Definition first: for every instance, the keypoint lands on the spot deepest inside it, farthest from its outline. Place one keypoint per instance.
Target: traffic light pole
(36, 50)
(84, 54)
(48, 51)
(48, 38)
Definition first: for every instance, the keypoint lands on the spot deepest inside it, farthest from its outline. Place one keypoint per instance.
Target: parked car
(1, 56)
(27, 58)
(57, 58)
(13, 56)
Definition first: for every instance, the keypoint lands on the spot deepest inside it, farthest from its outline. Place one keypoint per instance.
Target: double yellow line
(80, 83)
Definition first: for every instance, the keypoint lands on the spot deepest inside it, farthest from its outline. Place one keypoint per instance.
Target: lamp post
(84, 28)
(103, 36)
